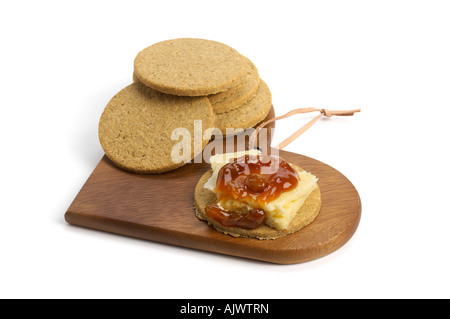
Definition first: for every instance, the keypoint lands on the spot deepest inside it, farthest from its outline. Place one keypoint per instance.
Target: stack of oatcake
(177, 83)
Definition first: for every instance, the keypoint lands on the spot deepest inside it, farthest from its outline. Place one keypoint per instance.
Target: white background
(61, 63)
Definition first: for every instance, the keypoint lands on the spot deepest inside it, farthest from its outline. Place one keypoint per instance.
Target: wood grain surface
(161, 208)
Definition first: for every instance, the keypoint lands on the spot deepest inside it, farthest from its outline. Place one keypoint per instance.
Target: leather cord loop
(290, 139)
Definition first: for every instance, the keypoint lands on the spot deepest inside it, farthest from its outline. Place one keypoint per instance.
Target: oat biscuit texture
(136, 126)
(249, 114)
(239, 94)
(189, 67)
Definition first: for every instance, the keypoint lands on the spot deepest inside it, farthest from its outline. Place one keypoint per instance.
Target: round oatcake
(239, 94)
(189, 67)
(249, 114)
(306, 214)
(136, 127)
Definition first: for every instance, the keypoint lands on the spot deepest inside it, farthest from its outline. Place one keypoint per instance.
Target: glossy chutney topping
(250, 178)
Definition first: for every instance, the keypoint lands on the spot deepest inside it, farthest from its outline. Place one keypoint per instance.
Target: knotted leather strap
(290, 139)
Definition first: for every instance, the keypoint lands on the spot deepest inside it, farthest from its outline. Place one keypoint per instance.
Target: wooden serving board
(161, 208)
